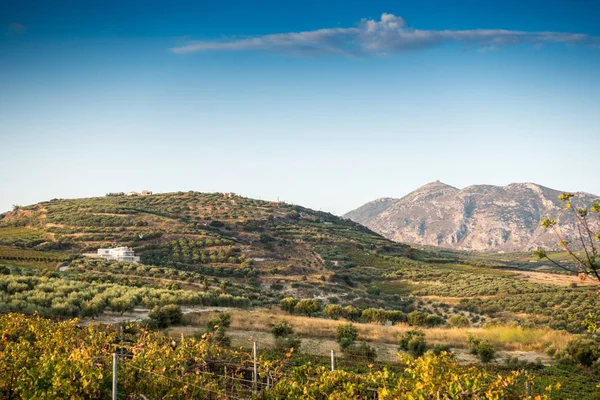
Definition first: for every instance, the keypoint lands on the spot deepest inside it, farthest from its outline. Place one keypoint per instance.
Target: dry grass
(503, 337)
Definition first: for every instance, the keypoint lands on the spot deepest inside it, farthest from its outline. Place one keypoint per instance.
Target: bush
(583, 350)
(373, 291)
(434, 320)
(220, 320)
(288, 304)
(417, 318)
(333, 311)
(351, 313)
(482, 348)
(439, 348)
(413, 342)
(377, 315)
(166, 315)
(287, 343)
(308, 307)
(346, 335)
(396, 316)
(281, 329)
(459, 321)
(361, 350)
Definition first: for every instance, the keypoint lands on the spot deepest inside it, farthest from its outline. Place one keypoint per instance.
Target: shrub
(351, 313)
(374, 315)
(308, 306)
(434, 320)
(482, 348)
(361, 350)
(281, 329)
(166, 315)
(288, 304)
(284, 337)
(439, 348)
(583, 350)
(346, 335)
(416, 318)
(287, 343)
(373, 291)
(333, 311)
(459, 321)
(396, 316)
(220, 320)
(413, 342)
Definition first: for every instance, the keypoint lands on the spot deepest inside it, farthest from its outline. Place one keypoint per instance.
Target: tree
(417, 318)
(333, 311)
(308, 306)
(586, 262)
(459, 321)
(288, 304)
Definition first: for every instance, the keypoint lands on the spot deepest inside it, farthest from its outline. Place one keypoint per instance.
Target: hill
(212, 234)
(477, 218)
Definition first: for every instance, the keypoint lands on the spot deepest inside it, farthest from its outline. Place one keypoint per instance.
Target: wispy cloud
(389, 35)
(15, 29)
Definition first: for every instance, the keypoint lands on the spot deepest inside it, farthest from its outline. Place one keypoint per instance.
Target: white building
(146, 193)
(124, 254)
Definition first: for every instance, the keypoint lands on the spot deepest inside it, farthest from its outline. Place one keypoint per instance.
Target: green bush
(439, 348)
(281, 329)
(432, 320)
(459, 321)
(583, 350)
(308, 307)
(333, 311)
(482, 348)
(373, 291)
(166, 316)
(220, 320)
(288, 304)
(361, 350)
(288, 342)
(413, 342)
(346, 335)
(417, 318)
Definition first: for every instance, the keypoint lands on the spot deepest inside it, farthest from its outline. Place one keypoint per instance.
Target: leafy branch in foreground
(587, 262)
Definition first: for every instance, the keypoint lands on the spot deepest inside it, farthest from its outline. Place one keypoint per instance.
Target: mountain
(478, 217)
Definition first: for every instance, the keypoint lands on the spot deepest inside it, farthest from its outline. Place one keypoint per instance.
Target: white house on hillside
(124, 254)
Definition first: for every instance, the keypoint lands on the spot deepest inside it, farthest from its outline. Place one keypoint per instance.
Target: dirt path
(138, 314)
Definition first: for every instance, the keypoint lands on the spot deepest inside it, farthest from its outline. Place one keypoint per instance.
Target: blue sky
(327, 104)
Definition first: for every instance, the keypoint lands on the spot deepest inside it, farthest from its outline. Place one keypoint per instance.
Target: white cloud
(15, 29)
(388, 35)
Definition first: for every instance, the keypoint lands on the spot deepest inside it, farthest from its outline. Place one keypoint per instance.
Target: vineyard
(16, 254)
(44, 359)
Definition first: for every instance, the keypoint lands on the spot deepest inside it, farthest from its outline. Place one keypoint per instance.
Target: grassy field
(503, 337)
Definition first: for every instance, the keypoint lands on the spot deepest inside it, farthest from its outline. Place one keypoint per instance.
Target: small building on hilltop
(146, 193)
(123, 254)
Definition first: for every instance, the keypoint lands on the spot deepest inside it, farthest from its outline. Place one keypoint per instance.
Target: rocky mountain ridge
(478, 217)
